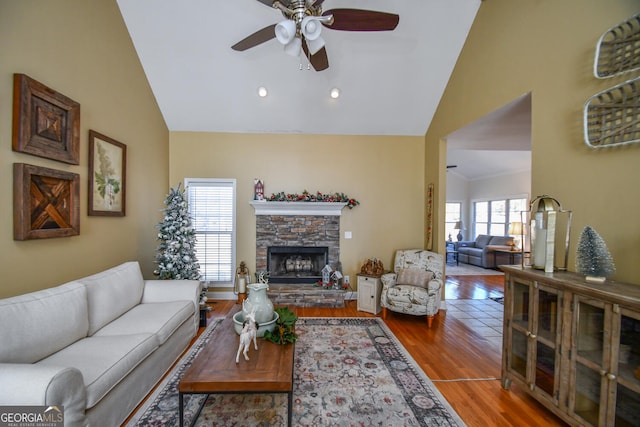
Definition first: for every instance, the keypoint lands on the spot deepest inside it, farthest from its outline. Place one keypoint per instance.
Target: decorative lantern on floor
(549, 222)
(243, 278)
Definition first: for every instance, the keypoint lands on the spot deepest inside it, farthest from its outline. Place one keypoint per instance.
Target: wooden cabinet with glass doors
(574, 345)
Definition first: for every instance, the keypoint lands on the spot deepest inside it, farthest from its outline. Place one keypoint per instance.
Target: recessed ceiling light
(262, 91)
(335, 93)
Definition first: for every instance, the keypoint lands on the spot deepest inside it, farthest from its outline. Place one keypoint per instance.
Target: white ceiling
(390, 82)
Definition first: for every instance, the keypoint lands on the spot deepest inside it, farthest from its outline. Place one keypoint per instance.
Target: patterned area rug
(348, 372)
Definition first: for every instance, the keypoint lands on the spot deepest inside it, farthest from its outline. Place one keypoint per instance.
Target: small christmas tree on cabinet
(592, 256)
(176, 256)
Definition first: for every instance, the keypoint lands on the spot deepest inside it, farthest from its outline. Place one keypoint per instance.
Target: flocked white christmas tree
(176, 258)
(592, 256)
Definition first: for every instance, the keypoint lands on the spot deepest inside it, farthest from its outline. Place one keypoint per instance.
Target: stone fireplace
(295, 240)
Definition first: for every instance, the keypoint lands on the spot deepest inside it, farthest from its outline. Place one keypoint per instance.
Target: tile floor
(482, 316)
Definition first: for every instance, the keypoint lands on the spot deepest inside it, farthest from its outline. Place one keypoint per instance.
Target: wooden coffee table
(214, 370)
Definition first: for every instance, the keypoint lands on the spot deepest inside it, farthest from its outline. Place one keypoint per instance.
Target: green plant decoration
(284, 331)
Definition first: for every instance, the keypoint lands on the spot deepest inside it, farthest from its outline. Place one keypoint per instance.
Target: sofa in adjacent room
(96, 345)
(480, 252)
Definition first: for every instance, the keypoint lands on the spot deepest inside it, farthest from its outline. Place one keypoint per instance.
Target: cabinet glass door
(589, 357)
(627, 412)
(545, 332)
(521, 304)
(519, 349)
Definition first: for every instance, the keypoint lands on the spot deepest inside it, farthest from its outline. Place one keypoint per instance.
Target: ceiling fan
(300, 30)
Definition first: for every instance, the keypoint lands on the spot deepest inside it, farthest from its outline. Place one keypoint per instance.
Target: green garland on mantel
(313, 197)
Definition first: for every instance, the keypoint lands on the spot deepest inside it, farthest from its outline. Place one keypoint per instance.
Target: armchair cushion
(414, 277)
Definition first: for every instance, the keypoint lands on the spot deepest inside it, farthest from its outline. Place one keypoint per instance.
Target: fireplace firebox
(296, 264)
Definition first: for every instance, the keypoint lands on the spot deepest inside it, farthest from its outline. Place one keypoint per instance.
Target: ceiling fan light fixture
(335, 93)
(262, 91)
(311, 27)
(285, 31)
(293, 47)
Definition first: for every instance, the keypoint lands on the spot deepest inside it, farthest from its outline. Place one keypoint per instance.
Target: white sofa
(96, 345)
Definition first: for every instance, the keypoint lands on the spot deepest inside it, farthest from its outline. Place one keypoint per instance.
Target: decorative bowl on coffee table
(238, 320)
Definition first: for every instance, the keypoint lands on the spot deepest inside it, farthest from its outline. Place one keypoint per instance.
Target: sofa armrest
(33, 384)
(491, 248)
(172, 290)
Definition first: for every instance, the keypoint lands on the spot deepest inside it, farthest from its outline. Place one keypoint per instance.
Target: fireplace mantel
(297, 208)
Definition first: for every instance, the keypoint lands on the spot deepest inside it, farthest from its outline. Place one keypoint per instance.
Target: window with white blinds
(212, 207)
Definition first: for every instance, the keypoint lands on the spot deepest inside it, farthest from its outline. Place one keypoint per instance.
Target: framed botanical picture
(45, 122)
(107, 175)
(46, 202)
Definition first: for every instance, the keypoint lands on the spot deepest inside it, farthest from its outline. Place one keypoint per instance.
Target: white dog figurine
(249, 332)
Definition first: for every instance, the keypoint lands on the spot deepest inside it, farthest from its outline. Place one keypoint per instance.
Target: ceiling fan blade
(319, 60)
(317, 3)
(259, 37)
(361, 20)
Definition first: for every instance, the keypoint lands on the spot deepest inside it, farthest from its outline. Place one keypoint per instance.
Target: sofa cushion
(414, 277)
(103, 361)
(159, 319)
(112, 292)
(483, 240)
(35, 325)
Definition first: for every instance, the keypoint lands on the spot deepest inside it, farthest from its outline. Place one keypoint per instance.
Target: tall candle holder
(242, 280)
(547, 221)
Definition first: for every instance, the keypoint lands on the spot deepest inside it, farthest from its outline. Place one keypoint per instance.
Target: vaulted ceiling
(390, 82)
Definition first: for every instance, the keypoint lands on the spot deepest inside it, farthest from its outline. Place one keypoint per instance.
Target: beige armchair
(415, 285)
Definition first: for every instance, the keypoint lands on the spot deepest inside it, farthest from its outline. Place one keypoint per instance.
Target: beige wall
(81, 49)
(547, 48)
(383, 173)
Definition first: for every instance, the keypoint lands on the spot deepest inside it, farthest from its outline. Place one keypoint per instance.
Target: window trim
(232, 182)
(446, 223)
(507, 211)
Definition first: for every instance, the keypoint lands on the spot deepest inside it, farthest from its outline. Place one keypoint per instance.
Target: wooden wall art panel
(46, 202)
(45, 122)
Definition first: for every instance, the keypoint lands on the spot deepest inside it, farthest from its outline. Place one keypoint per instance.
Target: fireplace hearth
(296, 264)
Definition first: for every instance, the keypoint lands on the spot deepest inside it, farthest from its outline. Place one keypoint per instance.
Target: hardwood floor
(453, 356)
(462, 365)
